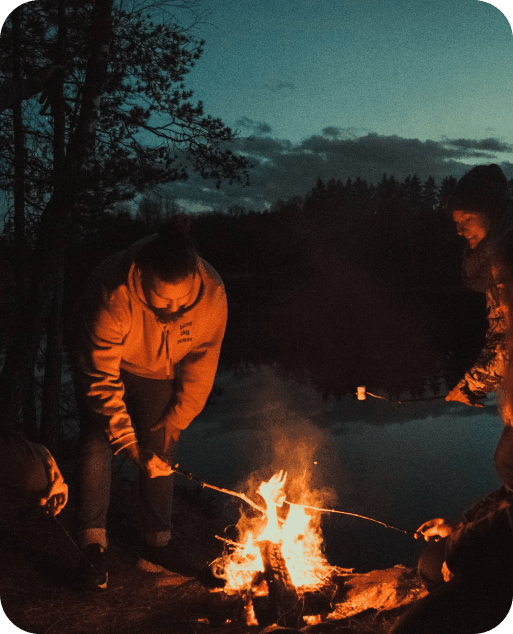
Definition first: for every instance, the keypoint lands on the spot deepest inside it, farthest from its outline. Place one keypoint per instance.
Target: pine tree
(117, 121)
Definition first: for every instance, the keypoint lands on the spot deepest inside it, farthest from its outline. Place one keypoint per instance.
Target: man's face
(168, 300)
(471, 225)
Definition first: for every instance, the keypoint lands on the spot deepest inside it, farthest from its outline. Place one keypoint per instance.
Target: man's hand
(152, 465)
(56, 496)
(456, 394)
(149, 463)
(435, 529)
(171, 433)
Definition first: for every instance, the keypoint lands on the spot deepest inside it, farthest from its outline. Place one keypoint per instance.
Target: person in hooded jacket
(150, 328)
(482, 211)
(467, 566)
(29, 476)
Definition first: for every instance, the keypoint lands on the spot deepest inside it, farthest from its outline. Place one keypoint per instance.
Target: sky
(347, 88)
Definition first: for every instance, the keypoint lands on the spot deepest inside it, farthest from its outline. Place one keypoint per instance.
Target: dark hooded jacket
(484, 190)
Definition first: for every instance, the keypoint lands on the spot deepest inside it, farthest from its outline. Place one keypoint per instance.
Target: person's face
(169, 299)
(471, 225)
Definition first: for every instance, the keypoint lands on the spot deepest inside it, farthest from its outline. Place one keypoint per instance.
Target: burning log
(281, 576)
(285, 607)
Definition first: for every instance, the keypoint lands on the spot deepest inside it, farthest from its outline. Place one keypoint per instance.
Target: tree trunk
(51, 236)
(19, 165)
(51, 396)
(20, 240)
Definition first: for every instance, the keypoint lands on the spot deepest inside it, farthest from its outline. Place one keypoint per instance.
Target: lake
(398, 463)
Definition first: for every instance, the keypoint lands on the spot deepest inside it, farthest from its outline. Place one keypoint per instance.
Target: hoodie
(117, 329)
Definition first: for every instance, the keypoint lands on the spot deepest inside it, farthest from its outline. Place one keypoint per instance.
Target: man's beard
(167, 317)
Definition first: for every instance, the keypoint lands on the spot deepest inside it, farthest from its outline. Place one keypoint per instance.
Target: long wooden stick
(262, 510)
(242, 496)
(363, 517)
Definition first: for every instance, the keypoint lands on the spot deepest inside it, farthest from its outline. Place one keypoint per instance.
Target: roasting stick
(237, 495)
(244, 497)
(363, 517)
(194, 478)
(362, 394)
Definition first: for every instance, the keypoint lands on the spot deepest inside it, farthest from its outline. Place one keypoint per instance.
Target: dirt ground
(39, 574)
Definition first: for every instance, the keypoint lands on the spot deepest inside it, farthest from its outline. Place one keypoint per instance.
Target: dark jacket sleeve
(484, 542)
(487, 372)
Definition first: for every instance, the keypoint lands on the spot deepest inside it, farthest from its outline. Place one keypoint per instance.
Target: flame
(274, 496)
(299, 537)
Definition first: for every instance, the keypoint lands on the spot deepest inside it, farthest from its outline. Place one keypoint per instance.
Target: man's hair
(171, 256)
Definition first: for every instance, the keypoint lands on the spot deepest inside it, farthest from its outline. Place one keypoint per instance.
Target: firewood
(285, 607)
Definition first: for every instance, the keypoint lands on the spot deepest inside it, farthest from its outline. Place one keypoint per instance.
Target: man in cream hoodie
(150, 328)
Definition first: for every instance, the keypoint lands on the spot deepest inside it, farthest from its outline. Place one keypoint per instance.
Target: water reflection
(401, 465)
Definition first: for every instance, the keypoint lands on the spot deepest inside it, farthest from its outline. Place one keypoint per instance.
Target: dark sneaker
(165, 559)
(95, 573)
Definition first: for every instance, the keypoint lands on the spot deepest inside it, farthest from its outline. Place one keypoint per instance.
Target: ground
(38, 585)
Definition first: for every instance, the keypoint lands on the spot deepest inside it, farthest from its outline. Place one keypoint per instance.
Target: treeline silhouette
(352, 284)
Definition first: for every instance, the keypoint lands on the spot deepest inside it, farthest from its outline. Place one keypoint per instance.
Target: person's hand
(171, 433)
(152, 465)
(56, 496)
(149, 463)
(456, 394)
(435, 529)
(447, 574)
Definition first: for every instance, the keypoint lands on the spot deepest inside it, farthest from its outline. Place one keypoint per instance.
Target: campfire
(276, 571)
(278, 561)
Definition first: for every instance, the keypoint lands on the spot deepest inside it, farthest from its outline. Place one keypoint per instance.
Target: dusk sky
(347, 88)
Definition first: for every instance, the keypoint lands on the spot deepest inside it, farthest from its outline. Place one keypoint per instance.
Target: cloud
(264, 128)
(257, 127)
(342, 133)
(487, 145)
(332, 132)
(283, 170)
(275, 85)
